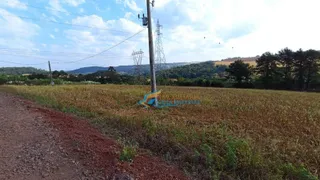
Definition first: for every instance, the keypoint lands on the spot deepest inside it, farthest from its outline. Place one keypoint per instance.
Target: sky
(78, 33)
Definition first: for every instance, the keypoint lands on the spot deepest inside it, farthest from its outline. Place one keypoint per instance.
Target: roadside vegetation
(232, 134)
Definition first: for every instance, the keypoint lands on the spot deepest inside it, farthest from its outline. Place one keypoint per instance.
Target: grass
(128, 153)
(233, 133)
(227, 63)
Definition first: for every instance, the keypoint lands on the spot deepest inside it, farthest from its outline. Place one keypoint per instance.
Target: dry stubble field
(233, 133)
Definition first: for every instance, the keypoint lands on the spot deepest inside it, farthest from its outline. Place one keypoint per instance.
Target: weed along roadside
(246, 134)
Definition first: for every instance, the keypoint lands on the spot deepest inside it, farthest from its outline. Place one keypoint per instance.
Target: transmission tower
(160, 56)
(137, 59)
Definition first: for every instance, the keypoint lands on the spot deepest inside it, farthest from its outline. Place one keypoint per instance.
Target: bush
(3, 80)
(128, 153)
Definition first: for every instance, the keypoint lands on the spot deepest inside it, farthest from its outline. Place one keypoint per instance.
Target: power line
(21, 55)
(55, 62)
(108, 48)
(68, 24)
(91, 56)
(11, 62)
(52, 9)
(53, 52)
(36, 57)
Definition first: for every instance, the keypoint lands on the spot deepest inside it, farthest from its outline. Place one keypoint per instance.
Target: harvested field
(233, 133)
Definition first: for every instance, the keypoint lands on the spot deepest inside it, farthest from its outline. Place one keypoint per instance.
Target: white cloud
(121, 25)
(13, 4)
(82, 38)
(162, 3)
(52, 36)
(193, 30)
(130, 4)
(56, 30)
(74, 3)
(92, 20)
(56, 5)
(290, 29)
(53, 19)
(17, 34)
(127, 25)
(110, 32)
(13, 26)
(128, 15)
(250, 26)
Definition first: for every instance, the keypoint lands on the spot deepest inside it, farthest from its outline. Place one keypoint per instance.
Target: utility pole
(51, 80)
(151, 49)
(146, 21)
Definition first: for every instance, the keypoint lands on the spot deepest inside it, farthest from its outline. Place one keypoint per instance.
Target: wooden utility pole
(51, 80)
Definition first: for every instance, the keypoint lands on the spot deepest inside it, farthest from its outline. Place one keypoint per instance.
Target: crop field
(233, 133)
(227, 63)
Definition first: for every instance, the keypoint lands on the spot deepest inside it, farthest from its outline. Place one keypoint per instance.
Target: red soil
(97, 151)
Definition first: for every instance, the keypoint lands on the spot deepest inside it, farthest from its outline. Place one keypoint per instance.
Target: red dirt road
(40, 143)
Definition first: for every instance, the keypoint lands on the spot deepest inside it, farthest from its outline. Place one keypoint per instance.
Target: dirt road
(40, 143)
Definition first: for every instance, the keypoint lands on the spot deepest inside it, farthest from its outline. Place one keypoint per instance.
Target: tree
(299, 69)
(306, 67)
(267, 68)
(38, 76)
(112, 69)
(57, 74)
(286, 57)
(312, 66)
(3, 79)
(21, 70)
(239, 71)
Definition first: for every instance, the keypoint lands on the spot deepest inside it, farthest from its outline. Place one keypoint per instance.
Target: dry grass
(227, 63)
(279, 127)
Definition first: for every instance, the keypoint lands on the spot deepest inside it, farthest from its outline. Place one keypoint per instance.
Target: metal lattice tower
(137, 59)
(160, 56)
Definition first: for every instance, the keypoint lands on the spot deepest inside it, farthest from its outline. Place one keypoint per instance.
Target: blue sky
(68, 32)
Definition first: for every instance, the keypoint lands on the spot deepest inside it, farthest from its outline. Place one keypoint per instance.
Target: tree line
(286, 69)
(20, 70)
(62, 77)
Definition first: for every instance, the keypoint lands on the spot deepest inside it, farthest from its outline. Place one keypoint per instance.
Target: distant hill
(88, 70)
(197, 70)
(120, 69)
(207, 69)
(20, 70)
(228, 61)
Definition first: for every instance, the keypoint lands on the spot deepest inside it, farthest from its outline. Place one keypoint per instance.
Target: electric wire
(108, 48)
(67, 54)
(67, 24)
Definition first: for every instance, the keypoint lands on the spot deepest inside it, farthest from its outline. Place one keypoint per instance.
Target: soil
(41, 143)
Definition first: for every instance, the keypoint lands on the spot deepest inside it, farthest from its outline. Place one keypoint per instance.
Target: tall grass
(247, 134)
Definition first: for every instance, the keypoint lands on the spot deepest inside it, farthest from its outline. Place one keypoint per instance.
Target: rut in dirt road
(39, 143)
